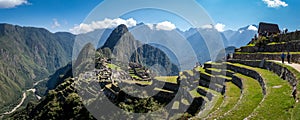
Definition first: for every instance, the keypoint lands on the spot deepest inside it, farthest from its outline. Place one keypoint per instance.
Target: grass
(251, 45)
(214, 69)
(175, 105)
(276, 43)
(251, 97)
(195, 94)
(113, 67)
(272, 53)
(137, 82)
(163, 90)
(169, 79)
(211, 105)
(278, 102)
(224, 77)
(296, 110)
(232, 96)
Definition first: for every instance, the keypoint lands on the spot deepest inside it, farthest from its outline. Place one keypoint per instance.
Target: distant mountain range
(241, 37)
(29, 54)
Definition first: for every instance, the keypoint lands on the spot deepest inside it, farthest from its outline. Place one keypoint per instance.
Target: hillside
(28, 55)
(113, 85)
(125, 48)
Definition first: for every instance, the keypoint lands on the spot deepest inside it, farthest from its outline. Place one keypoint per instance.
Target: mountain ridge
(27, 55)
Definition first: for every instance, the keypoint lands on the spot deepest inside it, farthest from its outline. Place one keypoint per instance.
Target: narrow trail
(294, 65)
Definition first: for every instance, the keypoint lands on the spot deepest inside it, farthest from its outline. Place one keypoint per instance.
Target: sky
(80, 16)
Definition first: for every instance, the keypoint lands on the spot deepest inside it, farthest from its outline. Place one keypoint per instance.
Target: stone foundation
(293, 46)
(294, 59)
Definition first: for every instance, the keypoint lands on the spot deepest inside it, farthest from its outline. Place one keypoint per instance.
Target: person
(289, 57)
(282, 57)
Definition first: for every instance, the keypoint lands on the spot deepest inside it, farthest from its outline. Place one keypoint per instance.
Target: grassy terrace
(195, 94)
(218, 73)
(163, 90)
(232, 96)
(296, 110)
(137, 82)
(292, 53)
(278, 101)
(250, 99)
(217, 100)
(215, 70)
(169, 79)
(113, 67)
(211, 105)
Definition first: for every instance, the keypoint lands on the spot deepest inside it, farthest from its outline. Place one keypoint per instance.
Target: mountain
(126, 48)
(198, 40)
(28, 55)
(206, 42)
(242, 36)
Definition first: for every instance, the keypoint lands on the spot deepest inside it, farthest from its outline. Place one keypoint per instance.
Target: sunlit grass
(251, 97)
(278, 102)
(232, 96)
(170, 79)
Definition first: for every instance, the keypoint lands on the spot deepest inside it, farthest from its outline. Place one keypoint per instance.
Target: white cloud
(11, 3)
(251, 27)
(210, 26)
(275, 3)
(106, 23)
(166, 25)
(220, 27)
(55, 24)
(151, 26)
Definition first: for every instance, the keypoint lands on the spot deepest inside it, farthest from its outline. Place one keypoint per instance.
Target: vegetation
(170, 79)
(279, 53)
(272, 107)
(251, 97)
(296, 109)
(231, 98)
(28, 55)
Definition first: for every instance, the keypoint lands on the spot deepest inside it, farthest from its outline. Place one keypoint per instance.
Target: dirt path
(294, 65)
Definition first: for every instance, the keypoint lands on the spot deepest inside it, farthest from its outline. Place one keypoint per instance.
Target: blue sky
(64, 15)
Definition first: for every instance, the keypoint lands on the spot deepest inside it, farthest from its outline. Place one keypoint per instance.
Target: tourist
(289, 57)
(282, 57)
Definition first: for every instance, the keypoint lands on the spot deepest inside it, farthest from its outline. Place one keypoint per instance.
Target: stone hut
(267, 29)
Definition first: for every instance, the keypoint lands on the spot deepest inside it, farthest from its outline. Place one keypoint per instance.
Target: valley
(125, 77)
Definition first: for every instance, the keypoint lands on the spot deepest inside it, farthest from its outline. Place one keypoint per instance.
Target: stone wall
(292, 46)
(205, 93)
(250, 73)
(294, 58)
(281, 71)
(290, 36)
(237, 81)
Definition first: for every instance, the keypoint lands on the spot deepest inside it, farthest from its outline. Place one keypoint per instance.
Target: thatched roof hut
(268, 28)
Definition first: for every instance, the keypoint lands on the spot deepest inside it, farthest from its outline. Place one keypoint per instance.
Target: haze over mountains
(28, 54)
(196, 37)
